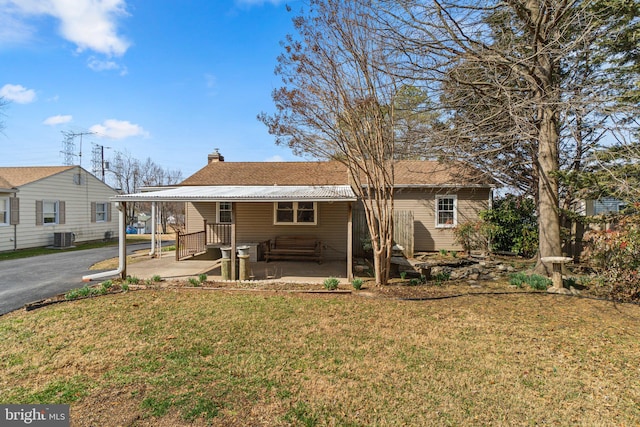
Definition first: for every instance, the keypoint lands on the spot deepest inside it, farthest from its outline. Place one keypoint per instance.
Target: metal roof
(273, 193)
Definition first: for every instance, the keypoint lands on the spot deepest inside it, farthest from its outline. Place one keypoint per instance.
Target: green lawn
(31, 252)
(195, 357)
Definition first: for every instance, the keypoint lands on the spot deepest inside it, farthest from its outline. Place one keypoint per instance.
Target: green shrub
(515, 225)
(124, 287)
(72, 294)
(517, 280)
(132, 280)
(156, 278)
(84, 292)
(331, 283)
(539, 283)
(534, 281)
(443, 276)
(193, 281)
(474, 235)
(614, 254)
(357, 284)
(107, 284)
(569, 282)
(414, 282)
(403, 275)
(443, 252)
(202, 277)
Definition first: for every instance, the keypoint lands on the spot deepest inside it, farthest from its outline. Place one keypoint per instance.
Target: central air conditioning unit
(62, 240)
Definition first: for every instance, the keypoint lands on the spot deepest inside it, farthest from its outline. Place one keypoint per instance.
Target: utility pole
(69, 146)
(98, 159)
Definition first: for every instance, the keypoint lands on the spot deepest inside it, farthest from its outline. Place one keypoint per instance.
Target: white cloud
(99, 65)
(57, 120)
(18, 93)
(12, 29)
(275, 158)
(118, 129)
(89, 24)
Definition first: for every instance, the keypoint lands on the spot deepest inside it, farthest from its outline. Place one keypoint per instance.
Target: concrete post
(244, 267)
(225, 268)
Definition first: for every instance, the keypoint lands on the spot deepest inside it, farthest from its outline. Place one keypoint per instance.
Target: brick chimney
(215, 157)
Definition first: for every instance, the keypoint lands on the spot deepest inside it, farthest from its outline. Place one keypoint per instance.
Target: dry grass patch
(185, 357)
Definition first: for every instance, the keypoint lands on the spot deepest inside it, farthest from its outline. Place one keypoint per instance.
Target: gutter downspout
(15, 226)
(153, 229)
(122, 249)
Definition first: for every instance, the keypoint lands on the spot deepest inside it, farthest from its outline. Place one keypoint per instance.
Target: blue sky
(170, 80)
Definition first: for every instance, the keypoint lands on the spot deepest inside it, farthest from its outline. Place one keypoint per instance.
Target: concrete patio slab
(280, 271)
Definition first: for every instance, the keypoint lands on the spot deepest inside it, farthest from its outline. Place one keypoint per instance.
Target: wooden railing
(218, 233)
(190, 244)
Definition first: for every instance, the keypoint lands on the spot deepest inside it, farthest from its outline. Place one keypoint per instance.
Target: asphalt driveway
(30, 279)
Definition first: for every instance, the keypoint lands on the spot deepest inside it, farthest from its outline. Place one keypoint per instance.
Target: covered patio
(253, 214)
(278, 271)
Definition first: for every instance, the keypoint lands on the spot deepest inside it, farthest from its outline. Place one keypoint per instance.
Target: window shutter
(61, 214)
(108, 212)
(14, 207)
(39, 217)
(93, 211)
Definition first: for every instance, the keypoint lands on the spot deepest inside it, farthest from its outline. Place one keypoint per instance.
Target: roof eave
(231, 199)
(444, 186)
(243, 194)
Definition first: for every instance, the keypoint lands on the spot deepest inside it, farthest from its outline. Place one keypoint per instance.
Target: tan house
(249, 203)
(53, 205)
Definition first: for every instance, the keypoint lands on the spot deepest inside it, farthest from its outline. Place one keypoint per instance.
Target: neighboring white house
(53, 205)
(605, 205)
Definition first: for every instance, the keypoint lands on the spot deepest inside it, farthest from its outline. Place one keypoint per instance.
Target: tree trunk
(548, 215)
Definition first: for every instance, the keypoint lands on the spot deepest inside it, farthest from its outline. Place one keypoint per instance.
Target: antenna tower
(68, 149)
(69, 146)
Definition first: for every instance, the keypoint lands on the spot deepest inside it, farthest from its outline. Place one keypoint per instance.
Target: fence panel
(403, 231)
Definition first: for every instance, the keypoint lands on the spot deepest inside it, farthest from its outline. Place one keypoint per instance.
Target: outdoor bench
(294, 248)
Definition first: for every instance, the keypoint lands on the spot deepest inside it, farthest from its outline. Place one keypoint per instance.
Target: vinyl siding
(196, 213)
(77, 210)
(422, 202)
(254, 223)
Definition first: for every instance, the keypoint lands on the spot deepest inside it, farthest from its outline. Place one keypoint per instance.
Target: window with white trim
(224, 214)
(446, 211)
(4, 211)
(50, 212)
(101, 212)
(303, 213)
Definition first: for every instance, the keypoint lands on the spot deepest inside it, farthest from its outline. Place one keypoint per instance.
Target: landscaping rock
(561, 291)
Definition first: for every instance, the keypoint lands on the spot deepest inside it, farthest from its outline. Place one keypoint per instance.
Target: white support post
(122, 248)
(350, 242)
(153, 228)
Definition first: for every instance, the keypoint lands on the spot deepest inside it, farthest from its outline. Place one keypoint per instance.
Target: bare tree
(337, 103)
(154, 175)
(501, 71)
(126, 177)
(130, 175)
